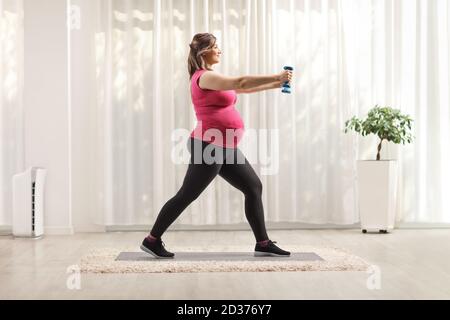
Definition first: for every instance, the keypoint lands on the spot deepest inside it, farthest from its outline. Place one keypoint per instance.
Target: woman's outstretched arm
(269, 86)
(215, 81)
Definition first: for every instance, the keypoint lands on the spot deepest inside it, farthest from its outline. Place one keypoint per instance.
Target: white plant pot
(377, 187)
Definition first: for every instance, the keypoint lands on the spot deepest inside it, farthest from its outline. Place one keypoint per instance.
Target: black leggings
(231, 165)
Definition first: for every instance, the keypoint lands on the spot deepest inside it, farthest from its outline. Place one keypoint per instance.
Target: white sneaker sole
(153, 254)
(269, 254)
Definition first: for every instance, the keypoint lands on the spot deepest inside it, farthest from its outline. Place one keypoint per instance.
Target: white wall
(58, 99)
(46, 105)
(83, 119)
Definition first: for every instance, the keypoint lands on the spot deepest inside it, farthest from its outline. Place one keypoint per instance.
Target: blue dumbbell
(286, 86)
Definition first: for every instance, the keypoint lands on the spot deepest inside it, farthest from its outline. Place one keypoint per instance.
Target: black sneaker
(156, 249)
(270, 250)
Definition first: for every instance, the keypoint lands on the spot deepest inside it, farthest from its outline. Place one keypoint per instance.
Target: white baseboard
(276, 226)
(422, 225)
(58, 231)
(89, 228)
(5, 230)
(232, 227)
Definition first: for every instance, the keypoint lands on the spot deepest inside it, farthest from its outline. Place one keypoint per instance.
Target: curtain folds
(11, 102)
(348, 56)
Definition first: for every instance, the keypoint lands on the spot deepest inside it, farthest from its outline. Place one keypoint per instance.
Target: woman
(214, 98)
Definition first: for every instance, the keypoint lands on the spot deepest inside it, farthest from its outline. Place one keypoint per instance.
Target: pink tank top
(216, 115)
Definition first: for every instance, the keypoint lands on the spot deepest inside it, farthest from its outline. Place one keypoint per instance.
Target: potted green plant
(377, 179)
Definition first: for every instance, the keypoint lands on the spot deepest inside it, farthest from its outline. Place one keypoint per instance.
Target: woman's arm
(215, 81)
(273, 85)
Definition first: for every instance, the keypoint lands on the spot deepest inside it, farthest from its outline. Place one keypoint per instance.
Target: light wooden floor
(414, 264)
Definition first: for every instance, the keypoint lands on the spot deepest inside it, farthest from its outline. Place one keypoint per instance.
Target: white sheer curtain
(11, 108)
(398, 54)
(348, 56)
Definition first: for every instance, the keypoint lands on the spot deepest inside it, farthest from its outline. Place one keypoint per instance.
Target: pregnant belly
(223, 119)
(223, 128)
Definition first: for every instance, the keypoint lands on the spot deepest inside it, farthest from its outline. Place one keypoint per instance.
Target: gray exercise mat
(217, 256)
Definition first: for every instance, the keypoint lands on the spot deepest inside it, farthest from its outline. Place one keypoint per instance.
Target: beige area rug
(103, 260)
